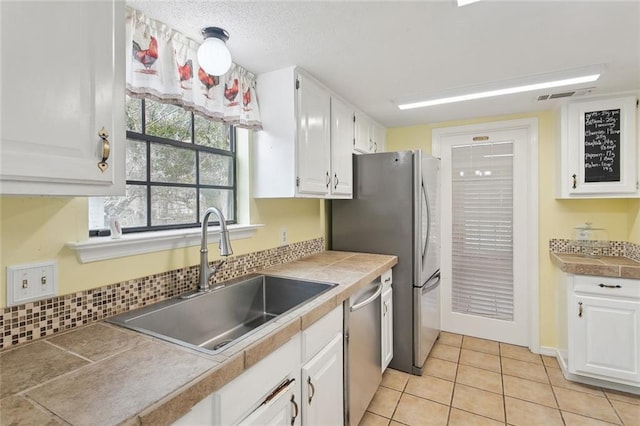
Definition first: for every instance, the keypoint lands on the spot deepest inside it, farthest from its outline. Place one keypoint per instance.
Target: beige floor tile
(429, 387)
(481, 345)
(450, 339)
(622, 396)
(480, 378)
(529, 414)
(629, 413)
(585, 404)
(440, 368)
(420, 412)
(384, 402)
(394, 423)
(524, 370)
(557, 379)
(528, 390)
(478, 401)
(395, 379)
(446, 352)
(370, 419)
(572, 419)
(519, 352)
(550, 361)
(480, 360)
(463, 418)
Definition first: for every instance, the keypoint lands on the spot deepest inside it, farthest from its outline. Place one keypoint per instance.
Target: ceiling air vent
(578, 92)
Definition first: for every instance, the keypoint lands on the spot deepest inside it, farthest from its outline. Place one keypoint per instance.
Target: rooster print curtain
(162, 64)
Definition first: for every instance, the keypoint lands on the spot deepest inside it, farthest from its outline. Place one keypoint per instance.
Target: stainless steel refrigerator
(395, 210)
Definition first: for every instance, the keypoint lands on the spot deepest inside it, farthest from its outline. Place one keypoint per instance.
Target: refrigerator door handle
(431, 283)
(368, 300)
(425, 243)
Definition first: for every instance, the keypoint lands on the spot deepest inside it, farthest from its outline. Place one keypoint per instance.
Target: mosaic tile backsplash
(601, 248)
(34, 320)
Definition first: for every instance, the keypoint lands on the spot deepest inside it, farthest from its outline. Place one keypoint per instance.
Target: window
(177, 165)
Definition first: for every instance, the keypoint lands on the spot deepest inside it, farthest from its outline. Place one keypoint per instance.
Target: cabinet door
(313, 142)
(602, 147)
(362, 133)
(63, 86)
(282, 409)
(379, 137)
(387, 327)
(322, 386)
(606, 338)
(341, 140)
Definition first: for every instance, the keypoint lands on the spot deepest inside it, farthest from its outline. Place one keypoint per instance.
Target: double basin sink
(212, 321)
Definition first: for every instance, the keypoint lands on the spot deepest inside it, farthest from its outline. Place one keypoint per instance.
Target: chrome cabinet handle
(579, 309)
(312, 391)
(328, 180)
(295, 407)
(105, 149)
(601, 285)
(386, 308)
(574, 182)
(336, 180)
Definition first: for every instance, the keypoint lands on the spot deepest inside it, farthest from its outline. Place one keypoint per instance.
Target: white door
(322, 386)
(314, 143)
(341, 142)
(602, 324)
(485, 231)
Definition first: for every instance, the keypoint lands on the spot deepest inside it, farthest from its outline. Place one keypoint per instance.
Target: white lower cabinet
(300, 383)
(603, 328)
(387, 324)
(322, 386)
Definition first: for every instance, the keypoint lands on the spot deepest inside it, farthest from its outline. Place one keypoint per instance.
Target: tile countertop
(103, 374)
(605, 266)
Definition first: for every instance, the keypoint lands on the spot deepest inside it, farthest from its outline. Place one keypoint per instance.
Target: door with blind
(484, 229)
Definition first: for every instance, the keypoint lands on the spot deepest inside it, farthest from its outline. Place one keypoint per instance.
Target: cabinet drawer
(319, 334)
(607, 286)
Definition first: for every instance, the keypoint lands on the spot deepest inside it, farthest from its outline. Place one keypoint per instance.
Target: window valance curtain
(162, 64)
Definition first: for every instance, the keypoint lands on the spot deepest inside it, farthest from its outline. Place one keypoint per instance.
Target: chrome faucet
(206, 271)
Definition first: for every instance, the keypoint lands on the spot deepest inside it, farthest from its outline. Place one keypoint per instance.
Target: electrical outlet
(30, 282)
(283, 236)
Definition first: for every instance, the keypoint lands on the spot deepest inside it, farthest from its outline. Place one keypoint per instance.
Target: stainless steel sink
(212, 321)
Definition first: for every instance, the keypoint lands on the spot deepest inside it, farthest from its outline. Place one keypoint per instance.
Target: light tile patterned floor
(469, 381)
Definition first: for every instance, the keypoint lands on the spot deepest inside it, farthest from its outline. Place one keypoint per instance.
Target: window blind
(482, 239)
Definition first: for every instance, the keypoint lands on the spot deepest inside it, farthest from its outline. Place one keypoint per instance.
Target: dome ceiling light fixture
(213, 55)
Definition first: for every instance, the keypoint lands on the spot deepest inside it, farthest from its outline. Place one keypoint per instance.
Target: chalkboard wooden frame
(603, 152)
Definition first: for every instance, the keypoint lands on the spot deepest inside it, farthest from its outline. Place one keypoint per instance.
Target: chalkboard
(602, 146)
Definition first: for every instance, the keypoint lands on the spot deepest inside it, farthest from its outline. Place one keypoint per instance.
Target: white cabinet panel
(387, 326)
(597, 153)
(322, 386)
(65, 83)
(341, 142)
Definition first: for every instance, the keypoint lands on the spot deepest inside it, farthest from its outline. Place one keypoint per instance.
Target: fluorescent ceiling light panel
(499, 92)
(466, 2)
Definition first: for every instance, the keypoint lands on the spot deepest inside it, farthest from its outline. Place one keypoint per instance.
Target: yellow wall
(36, 229)
(557, 218)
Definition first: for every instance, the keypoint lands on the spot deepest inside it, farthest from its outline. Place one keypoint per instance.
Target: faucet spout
(206, 271)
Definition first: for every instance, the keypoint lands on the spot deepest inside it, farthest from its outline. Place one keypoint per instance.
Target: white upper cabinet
(341, 140)
(304, 149)
(597, 153)
(369, 136)
(62, 83)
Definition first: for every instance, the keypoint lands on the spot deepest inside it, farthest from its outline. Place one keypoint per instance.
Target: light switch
(31, 282)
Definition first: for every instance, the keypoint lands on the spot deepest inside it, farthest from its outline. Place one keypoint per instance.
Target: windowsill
(103, 248)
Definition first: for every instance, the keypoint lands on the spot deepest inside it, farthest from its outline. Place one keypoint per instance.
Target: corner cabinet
(63, 88)
(369, 136)
(600, 328)
(302, 149)
(597, 154)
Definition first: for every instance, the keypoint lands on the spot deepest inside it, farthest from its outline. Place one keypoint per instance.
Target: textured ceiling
(378, 53)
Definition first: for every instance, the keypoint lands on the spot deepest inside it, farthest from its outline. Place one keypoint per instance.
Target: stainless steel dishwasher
(363, 358)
